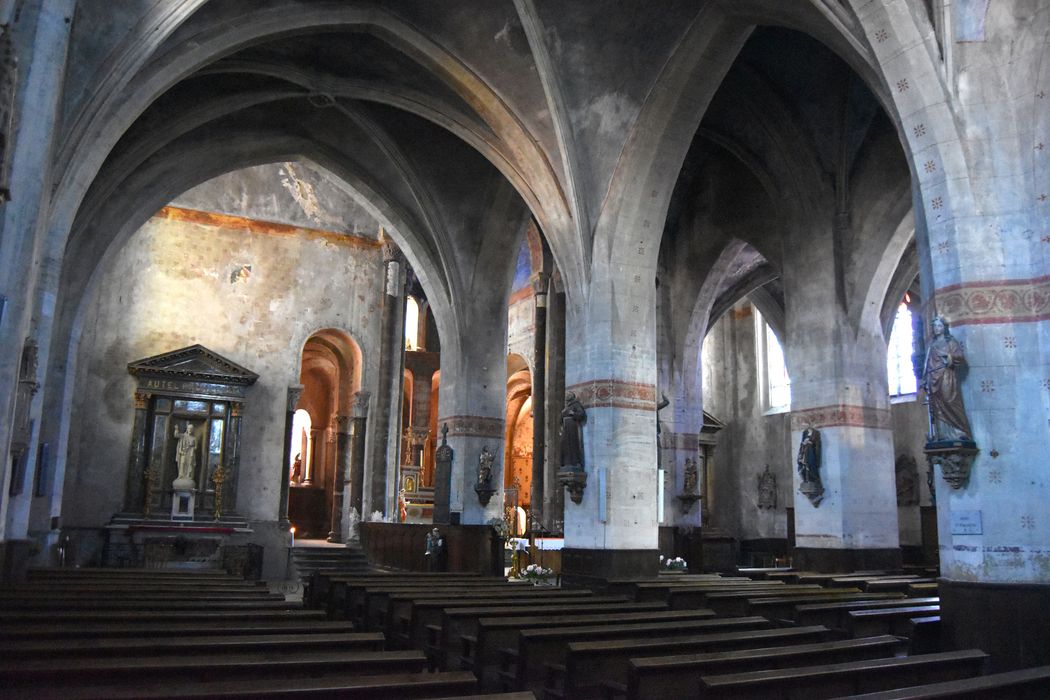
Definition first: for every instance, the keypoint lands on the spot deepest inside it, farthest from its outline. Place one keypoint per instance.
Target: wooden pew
(588, 665)
(894, 584)
(444, 641)
(922, 589)
(333, 591)
(627, 586)
(763, 572)
(184, 645)
(1026, 684)
(45, 604)
(345, 686)
(47, 630)
(367, 605)
(41, 674)
(12, 617)
(678, 676)
(660, 590)
(865, 623)
(833, 680)
(409, 613)
(496, 634)
(834, 614)
(430, 611)
(924, 634)
(783, 607)
(736, 602)
(546, 646)
(89, 598)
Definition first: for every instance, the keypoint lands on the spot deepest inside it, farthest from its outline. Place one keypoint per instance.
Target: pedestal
(183, 503)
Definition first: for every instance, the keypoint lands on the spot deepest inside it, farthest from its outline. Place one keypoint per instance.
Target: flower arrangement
(676, 564)
(535, 573)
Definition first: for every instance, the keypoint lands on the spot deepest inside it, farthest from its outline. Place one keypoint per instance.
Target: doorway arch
(330, 373)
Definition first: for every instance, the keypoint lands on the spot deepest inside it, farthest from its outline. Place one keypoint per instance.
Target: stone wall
(251, 290)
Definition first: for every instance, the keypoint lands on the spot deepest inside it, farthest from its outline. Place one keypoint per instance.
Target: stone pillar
(473, 406)
(356, 474)
(539, 400)
(135, 492)
(294, 392)
(554, 394)
(839, 388)
(611, 368)
(31, 79)
(386, 423)
(342, 468)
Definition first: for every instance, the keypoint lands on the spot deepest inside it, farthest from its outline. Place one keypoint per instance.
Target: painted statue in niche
(767, 490)
(940, 381)
(186, 454)
(808, 462)
(573, 416)
(907, 474)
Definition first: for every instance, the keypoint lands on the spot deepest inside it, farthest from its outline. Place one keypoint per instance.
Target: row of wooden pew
(97, 633)
(766, 634)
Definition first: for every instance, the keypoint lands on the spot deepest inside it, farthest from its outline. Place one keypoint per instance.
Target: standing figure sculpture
(808, 462)
(435, 551)
(573, 417)
(691, 479)
(948, 419)
(485, 460)
(186, 454)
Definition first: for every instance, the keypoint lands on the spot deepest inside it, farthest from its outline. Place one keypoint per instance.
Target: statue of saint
(186, 453)
(573, 417)
(808, 462)
(691, 478)
(948, 419)
(297, 468)
(485, 466)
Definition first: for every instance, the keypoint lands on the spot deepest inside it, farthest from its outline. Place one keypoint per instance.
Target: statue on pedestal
(767, 490)
(948, 421)
(808, 462)
(572, 474)
(185, 457)
(691, 478)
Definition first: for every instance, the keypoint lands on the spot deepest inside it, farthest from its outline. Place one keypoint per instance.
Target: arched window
(898, 354)
(411, 324)
(772, 366)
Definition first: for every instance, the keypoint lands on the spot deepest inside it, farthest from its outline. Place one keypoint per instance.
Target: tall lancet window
(898, 354)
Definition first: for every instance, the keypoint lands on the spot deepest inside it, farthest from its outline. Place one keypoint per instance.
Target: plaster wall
(175, 284)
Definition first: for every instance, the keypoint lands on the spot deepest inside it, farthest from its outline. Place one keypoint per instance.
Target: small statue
(402, 506)
(185, 454)
(691, 478)
(808, 462)
(297, 468)
(573, 416)
(767, 490)
(485, 467)
(435, 551)
(948, 421)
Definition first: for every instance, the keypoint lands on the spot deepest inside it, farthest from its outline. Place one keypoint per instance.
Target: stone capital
(294, 392)
(360, 404)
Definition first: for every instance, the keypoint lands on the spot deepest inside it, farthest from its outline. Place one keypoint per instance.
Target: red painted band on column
(473, 426)
(613, 393)
(842, 415)
(996, 301)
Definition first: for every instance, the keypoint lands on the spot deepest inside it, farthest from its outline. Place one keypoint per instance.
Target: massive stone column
(839, 388)
(33, 49)
(611, 368)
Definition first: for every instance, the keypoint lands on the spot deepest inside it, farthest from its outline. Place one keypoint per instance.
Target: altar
(181, 484)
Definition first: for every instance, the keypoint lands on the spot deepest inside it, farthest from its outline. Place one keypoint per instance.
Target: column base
(845, 560)
(1009, 621)
(594, 567)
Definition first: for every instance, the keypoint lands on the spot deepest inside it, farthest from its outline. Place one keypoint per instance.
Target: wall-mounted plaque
(966, 522)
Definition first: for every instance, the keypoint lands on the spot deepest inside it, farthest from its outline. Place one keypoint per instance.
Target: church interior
(329, 327)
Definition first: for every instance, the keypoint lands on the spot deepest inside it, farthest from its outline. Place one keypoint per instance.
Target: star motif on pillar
(1042, 197)
(1045, 239)
(1046, 383)
(1009, 342)
(1039, 146)
(943, 247)
(937, 202)
(919, 129)
(1028, 522)
(881, 35)
(995, 476)
(929, 166)
(987, 386)
(902, 85)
